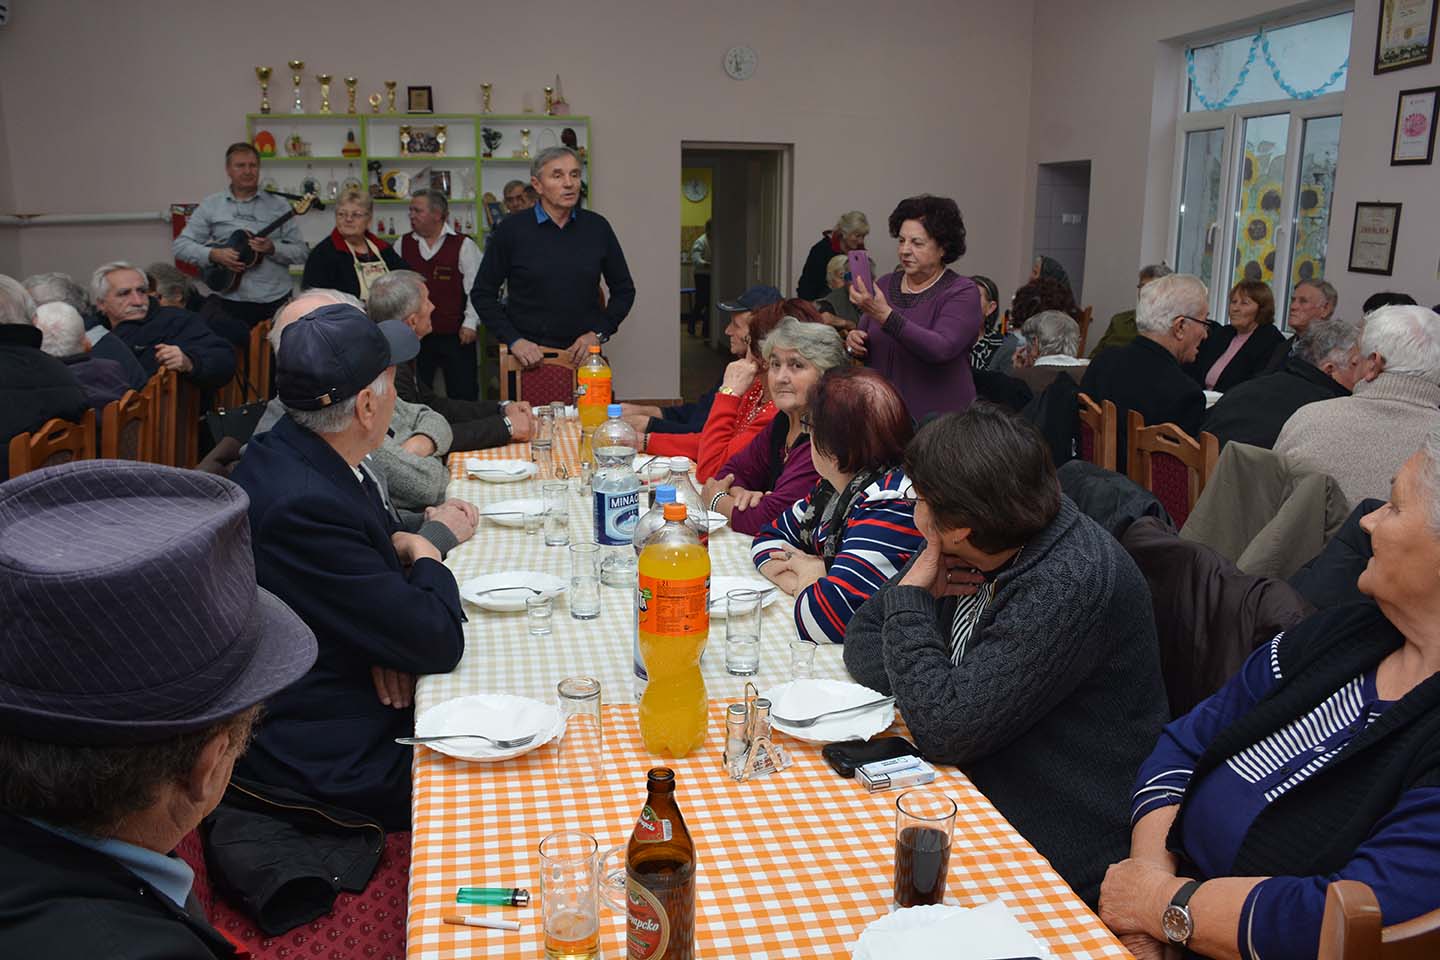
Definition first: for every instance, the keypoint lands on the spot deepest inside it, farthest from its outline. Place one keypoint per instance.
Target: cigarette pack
(920, 773)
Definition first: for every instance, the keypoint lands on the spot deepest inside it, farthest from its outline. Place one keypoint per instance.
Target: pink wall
(116, 107)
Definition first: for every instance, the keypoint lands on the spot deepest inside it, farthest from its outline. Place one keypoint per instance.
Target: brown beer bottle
(660, 877)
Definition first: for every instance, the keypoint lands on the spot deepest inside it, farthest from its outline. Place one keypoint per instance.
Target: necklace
(905, 286)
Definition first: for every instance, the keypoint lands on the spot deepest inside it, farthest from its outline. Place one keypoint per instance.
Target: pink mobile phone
(860, 268)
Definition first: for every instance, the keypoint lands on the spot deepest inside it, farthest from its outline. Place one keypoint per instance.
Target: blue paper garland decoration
(1259, 43)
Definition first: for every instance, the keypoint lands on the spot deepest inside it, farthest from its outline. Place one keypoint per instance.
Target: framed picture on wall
(1414, 141)
(419, 100)
(1406, 36)
(1372, 241)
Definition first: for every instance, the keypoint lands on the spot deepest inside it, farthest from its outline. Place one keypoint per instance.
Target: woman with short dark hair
(918, 324)
(1019, 643)
(1239, 350)
(836, 547)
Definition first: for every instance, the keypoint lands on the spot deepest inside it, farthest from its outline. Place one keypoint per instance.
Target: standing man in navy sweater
(551, 260)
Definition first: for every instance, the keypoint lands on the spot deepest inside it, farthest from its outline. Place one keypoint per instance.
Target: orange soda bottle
(674, 616)
(596, 379)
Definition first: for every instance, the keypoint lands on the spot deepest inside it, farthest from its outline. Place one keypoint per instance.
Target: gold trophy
(525, 143)
(374, 103)
(550, 101)
(440, 137)
(350, 83)
(295, 78)
(485, 90)
(263, 75)
(324, 81)
(404, 139)
(390, 96)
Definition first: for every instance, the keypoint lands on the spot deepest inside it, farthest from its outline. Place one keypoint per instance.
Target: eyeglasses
(1207, 324)
(352, 214)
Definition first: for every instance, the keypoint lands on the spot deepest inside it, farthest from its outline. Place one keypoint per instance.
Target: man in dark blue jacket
(382, 605)
(160, 336)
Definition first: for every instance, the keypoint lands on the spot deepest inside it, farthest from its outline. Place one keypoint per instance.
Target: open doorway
(737, 197)
(1062, 217)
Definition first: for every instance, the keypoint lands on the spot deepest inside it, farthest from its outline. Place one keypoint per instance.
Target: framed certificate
(1414, 141)
(1406, 36)
(1372, 242)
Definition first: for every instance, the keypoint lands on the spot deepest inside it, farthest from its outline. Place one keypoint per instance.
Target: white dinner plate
(506, 592)
(990, 930)
(719, 586)
(498, 715)
(511, 513)
(807, 698)
(501, 471)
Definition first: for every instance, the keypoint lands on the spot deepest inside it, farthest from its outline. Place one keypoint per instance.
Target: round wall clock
(694, 189)
(740, 62)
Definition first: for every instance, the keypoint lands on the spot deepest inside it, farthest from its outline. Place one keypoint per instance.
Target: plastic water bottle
(645, 528)
(616, 490)
(696, 514)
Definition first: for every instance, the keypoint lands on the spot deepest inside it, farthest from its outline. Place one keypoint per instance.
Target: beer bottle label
(649, 829)
(647, 924)
(674, 608)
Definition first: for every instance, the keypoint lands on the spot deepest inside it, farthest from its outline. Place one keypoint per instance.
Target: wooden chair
(127, 428)
(1098, 430)
(261, 360)
(163, 392)
(1352, 930)
(56, 441)
(1083, 320)
(1170, 463)
(553, 380)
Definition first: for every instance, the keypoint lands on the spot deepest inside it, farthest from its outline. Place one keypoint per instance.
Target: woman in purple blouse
(766, 478)
(917, 326)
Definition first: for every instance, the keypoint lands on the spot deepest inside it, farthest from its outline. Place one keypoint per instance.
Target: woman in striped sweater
(856, 528)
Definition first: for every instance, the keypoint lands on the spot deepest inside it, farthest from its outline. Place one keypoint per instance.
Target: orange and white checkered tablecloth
(792, 865)
(565, 450)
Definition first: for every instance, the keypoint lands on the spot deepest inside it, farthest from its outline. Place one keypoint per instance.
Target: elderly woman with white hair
(34, 387)
(1052, 347)
(351, 258)
(1361, 440)
(1319, 761)
(1145, 375)
(63, 333)
(757, 484)
(848, 234)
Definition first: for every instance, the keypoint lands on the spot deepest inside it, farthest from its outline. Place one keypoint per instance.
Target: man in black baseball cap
(134, 652)
(382, 605)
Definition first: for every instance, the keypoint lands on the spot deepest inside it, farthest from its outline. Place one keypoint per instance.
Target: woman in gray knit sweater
(1020, 643)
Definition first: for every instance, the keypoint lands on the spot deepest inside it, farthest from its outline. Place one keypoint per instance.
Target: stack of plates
(500, 471)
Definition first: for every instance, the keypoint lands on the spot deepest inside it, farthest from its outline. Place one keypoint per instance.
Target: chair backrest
(1351, 928)
(1170, 463)
(56, 441)
(1083, 320)
(1098, 428)
(260, 359)
(163, 391)
(127, 428)
(554, 379)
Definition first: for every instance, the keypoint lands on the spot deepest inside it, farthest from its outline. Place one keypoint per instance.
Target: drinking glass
(802, 659)
(557, 513)
(742, 632)
(533, 522)
(924, 824)
(580, 750)
(585, 581)
(569, 895)
(542, 441)
(538, 611)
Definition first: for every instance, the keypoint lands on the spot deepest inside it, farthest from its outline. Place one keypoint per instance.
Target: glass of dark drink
(924, 823)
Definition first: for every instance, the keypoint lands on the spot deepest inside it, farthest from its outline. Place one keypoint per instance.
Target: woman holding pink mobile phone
(917, 325)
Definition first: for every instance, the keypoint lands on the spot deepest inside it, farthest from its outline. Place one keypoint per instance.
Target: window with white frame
(1258, 141)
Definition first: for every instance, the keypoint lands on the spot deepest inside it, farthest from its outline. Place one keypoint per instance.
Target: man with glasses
(265, 287)
(1172, 320)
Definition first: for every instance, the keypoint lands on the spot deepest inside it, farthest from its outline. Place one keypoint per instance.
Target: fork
(518, 586)
(501, 744)
(811, 721)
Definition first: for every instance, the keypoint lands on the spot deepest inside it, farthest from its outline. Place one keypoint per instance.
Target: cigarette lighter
(494, 896)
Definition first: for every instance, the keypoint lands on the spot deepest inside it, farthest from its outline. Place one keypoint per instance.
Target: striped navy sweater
(879, 538)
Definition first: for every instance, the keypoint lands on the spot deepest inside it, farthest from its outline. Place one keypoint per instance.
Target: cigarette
(482, 922)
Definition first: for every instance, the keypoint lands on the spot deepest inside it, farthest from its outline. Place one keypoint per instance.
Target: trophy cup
(550, 101)
(374, 103)
(404, 139)
(263, 75)
(525, 143)
(491, 138)
(485, 90)
(295, 78)
(440, 137)
(350, 83)
(561, 107)
(390, 95)
(324, 81)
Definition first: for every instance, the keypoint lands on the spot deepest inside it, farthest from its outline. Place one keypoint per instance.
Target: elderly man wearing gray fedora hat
(134, 651)
(382, 605)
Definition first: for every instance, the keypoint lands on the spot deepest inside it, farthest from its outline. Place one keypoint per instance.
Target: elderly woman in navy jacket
(1319, 761)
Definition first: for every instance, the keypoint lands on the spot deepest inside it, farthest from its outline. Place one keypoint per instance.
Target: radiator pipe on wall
(80, 219)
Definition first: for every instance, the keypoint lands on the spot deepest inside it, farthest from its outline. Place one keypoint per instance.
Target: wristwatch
(1176, 921)
(509, 427)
